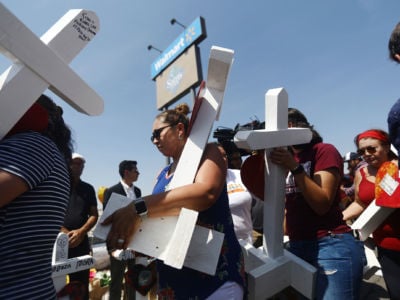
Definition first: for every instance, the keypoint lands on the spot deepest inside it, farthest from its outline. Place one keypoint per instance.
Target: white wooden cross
(39, 64)
(62, 265)
(179, 241)
(270, 269)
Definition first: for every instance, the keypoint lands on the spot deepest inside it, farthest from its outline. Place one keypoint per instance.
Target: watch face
(140, 206)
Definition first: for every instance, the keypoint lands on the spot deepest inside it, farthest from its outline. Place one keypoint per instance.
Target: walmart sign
(195, 32)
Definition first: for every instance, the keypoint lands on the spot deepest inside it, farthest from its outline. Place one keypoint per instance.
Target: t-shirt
(30, 223)
(83, 196)
(302, 223)
(240, 201)
(187, 283)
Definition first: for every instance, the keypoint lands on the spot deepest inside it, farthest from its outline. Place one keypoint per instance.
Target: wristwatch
(298, 170)
(141, 208)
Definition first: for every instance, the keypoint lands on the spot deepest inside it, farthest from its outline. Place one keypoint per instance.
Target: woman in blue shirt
(207, 195)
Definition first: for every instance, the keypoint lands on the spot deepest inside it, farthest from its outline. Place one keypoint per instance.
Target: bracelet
(298, 170)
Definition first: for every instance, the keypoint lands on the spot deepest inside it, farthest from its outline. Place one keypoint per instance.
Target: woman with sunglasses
(374, 146)
(314, 224)
(207, 195)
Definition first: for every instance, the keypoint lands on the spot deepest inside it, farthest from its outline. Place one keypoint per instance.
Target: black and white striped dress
(30, 223)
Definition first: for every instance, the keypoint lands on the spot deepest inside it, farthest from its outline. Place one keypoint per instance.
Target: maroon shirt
(302, 223)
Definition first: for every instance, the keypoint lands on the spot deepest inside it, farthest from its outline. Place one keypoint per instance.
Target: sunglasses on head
(369, 149)
(157, 132)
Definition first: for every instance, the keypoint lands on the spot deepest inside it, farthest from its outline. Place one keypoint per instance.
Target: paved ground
(374, 288)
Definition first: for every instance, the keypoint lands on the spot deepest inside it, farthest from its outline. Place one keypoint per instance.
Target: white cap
(77, 155)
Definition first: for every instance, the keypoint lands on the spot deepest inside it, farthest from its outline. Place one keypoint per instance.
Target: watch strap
(141, 208)
(298, 170)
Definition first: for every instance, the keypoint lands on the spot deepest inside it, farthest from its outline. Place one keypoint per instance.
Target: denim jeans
(339, 259)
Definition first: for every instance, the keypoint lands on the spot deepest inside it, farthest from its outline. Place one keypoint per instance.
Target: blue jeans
(339, 259)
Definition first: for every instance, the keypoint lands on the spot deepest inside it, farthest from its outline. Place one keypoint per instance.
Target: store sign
(179, 77)
(195, 32)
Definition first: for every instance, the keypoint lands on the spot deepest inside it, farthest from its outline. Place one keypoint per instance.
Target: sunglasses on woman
(157, 132)
(369, 149)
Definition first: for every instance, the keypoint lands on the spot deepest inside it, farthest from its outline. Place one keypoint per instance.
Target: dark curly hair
(57, 130)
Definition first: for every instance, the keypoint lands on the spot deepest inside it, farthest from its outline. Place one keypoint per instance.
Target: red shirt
(387, 235)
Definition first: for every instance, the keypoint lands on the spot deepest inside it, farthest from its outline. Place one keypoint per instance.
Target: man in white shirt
(129, 174)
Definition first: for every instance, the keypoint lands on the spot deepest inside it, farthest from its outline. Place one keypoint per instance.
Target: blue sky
(331, 57)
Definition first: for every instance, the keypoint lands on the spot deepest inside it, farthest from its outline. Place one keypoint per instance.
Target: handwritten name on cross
(273, 269)
(39, 64)
(181, 241)
(62, 265)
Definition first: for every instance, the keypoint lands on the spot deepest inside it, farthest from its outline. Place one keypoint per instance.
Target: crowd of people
(42, 194)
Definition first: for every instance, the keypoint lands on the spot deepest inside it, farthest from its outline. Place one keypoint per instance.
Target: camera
(225, 135)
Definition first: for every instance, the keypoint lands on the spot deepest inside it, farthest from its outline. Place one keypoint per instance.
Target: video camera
(225, 135)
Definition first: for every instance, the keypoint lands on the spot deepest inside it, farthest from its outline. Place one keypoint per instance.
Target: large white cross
(39, 64)
(179, 241)
(270, 269)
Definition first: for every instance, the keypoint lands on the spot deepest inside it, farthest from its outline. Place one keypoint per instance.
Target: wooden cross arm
(220, 62)
(263, 139)
(370, 219)
(21, 45)
(180, 242)
(72, 265)
(219, 65)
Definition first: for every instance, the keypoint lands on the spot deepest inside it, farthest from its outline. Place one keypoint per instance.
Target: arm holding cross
(199, 196)
(320, 190)
(357, 206)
